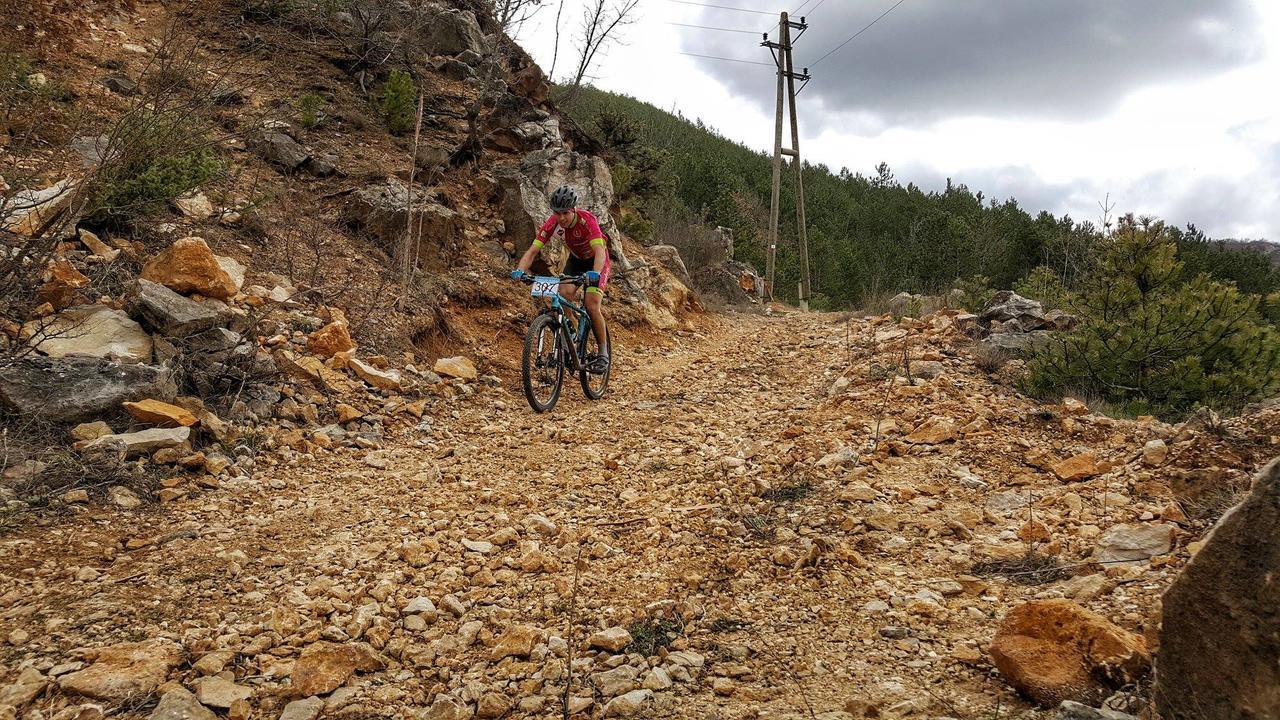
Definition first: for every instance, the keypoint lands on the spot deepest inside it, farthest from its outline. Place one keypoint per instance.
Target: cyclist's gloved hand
(592, 276)
(517, 274)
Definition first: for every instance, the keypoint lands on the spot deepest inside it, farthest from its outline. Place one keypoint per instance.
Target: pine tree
(1152, 340)
(398, 102)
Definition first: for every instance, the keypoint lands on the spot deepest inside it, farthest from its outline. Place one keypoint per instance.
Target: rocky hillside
(315, 249)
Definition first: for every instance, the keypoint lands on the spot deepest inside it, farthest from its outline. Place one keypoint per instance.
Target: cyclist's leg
(595, 308)
(573, 266)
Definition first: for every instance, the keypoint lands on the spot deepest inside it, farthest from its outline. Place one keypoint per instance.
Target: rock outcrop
(525, 188)
(1220, 631)
(382, 211)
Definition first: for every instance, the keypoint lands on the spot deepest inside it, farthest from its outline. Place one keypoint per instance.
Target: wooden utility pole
(786, 71)
(771, 255)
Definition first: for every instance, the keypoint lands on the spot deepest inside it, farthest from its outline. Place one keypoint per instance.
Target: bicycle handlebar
(575, 279)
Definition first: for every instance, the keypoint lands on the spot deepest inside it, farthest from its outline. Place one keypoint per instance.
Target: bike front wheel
(543, 364)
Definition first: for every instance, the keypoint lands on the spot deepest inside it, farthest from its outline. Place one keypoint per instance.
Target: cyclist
(588, 255)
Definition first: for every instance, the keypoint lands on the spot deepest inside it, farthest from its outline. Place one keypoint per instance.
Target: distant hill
(1265, 247)
(868, 234)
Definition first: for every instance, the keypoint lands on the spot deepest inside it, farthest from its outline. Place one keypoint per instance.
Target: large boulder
(189, 266)
(90, 331)
(1055, 650)
(279, 149)
(382, 211)
(733, 281)
(1220, 631)
(668, 256)
(526, 187)
(449, 31)
(1010, 312)
(80, 388)
(169, 313)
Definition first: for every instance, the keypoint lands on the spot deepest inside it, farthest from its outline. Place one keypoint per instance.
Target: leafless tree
(601, 22)
(555, 52)
(512, 14)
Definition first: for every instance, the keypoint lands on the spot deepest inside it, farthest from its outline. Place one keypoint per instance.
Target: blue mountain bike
(560, 338)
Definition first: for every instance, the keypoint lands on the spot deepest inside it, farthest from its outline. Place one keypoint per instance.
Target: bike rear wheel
(543, 364)
(595, 384)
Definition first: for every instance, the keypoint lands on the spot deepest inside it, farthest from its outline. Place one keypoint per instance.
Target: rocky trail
(721, 536)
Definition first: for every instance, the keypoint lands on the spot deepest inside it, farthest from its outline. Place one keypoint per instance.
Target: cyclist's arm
(601, 254)
(529, 255)
(598, 243)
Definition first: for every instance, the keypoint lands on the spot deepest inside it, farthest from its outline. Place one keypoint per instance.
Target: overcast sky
(1169, 106)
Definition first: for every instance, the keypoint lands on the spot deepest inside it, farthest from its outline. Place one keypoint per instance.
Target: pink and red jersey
(581, 239)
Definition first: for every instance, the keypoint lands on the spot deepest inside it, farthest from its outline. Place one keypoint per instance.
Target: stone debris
(179, 704)
(613, 639)
(1134, 543)
(137, 443)
(122, 672)
(323, 667)
(395, 553)
(456, 367)
(218, 692)
(155, 412)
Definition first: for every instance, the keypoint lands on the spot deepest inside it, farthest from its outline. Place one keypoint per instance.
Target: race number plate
(545, 287)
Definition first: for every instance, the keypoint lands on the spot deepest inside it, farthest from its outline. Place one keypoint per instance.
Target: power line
(797, 10)
(864, 29)
(722, 7)
(815, 7)
(721, 29)
(714, 57)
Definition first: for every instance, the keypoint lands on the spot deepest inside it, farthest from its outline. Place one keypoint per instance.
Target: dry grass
(31, 444)
(1029, 569)
(989, 358)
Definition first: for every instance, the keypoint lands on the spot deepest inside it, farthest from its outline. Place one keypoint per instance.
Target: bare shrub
(39, 470)
(1212, 503)
(990, 358)
(700, 247)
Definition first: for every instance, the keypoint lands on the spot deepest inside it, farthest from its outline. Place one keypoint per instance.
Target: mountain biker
(588, 255)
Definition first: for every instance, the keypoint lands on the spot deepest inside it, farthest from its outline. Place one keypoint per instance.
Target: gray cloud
(1069, 59)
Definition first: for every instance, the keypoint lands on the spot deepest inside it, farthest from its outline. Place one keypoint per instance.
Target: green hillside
(868, 235)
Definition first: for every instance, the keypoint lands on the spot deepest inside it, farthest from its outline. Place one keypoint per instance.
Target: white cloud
(1188, 148)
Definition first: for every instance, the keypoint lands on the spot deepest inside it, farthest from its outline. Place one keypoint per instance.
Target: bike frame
(576, 343)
